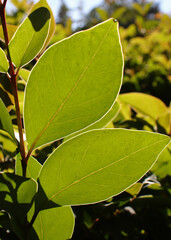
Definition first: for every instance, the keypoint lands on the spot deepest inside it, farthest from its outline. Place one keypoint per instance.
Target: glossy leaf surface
(29, 37)
(75, 83)
(55, 223)
(6, 120)
(99, 164)
(3, 61)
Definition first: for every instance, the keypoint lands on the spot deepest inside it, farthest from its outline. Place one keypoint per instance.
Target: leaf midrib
(70, 93)
(101, 169)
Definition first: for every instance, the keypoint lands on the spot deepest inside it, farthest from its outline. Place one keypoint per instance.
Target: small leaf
(43, 3)
(135, 189)
(164, 121)
(3, 62)
(7, 143)
(16, 194)
(82, 76)
(55, 223)
(6, 91)
(162, 167)
(29, 38)
(33, 167)
(144, 103)
(99, 164)
(24, 73)
(6, 120)
(11, 30)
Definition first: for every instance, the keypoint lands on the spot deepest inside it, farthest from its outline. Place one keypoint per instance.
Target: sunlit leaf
(43, 3)
(106, 120)
(3, 61)
(24, 73)
(6, 120)
(162, 167)
(55, 223)
(75, 83)
(33, 167)
(16, 194)
(99, 164)
(29, 37)
(11, 30)
(144, 103)
(164, 121)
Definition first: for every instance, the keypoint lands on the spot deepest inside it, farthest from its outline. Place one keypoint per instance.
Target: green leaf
(164, 121)
(43, 3)
(7, 143)
(82, 77)
(16, 194)
(24, 73)
(55, 223)
(29, 38)
(144, 103)
(162, 167)
(3, 61)
(6, 120)
(102, 123)
(33, 167)
(11, 30)
(99, 164)
(135, 189)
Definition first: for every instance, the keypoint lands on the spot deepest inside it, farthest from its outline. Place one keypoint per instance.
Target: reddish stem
(14, 87)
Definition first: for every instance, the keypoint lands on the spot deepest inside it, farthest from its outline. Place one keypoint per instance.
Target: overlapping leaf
(30, 37)
(6, 120)
(73, 84)
(55, 223)
(99, 164)
(145, 104)
(3, 61)
(16, 194)
(43, 3)
(33, 167)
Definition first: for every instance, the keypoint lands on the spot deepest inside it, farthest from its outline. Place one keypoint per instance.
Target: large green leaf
(73, 84)
(6, 120)
(30, 37)
(55, 223)
(43, 3)
(145, 104)
(3, 61)
(99, 164)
